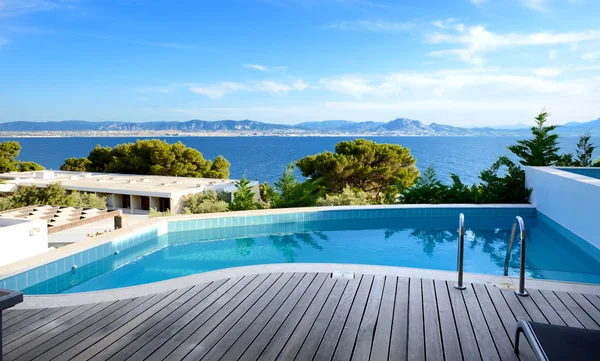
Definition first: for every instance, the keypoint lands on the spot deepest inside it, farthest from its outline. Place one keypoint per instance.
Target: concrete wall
(570, 199)
(20, 239)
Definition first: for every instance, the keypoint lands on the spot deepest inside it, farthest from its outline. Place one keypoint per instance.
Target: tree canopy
(376, 169)
(9, 151)
(151, 157)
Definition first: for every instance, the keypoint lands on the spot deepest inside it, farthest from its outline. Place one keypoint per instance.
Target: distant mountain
(594, 124)
(399, 126)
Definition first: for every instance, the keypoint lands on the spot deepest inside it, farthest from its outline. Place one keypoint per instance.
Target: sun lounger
(551, 342)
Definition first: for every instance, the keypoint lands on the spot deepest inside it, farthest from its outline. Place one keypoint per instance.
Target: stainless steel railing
(461, 251)
(523, 235)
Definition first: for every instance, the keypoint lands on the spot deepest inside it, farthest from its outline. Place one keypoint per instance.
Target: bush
(427, 190)
(349, 197)
(208, 202)
(292, 193)
(54, 195)
(9, 151)
(244, 198)
(154, 213)
(5, 204)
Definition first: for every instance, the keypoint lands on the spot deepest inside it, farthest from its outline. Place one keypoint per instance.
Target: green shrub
(244, 199)
(348, 197)
(154, 213)
(427, 190)
(54, 195)
(207, 202)
(292, 193)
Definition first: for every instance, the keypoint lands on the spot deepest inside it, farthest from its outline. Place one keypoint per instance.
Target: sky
(457, 62)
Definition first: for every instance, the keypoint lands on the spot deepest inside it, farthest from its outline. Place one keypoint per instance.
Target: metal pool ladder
(523, 235)
(461, 251)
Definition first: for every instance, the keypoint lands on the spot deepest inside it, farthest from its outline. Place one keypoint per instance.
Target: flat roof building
(137, 193)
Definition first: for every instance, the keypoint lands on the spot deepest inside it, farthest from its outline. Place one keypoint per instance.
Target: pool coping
(75, 299)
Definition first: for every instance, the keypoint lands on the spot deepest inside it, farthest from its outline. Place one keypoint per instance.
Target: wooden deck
(296, 316)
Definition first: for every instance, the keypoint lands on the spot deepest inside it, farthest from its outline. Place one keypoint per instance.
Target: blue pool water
(407, 242)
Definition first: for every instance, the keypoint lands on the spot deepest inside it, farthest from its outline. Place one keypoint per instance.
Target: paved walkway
(296, 316)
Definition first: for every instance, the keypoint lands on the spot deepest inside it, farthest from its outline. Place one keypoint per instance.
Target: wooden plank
(364, 339)
(267, 320)
(210, 333)
(515, 305)
(577, 311)
(532, 309)
(287, 315)
(317, 332)
(117, 334)
(332, 288)
(416, 332)
(200, 314)
(83, 344)
(257, 317)
(433, 338)
(137, 334)
(258, 285)
(57, 331)
(399, 337)
(73, 331)
(561, 309)
(21, 315)
(449, 335)
(549, 312)
(211, 307)
(486, 344)
(29, 334)
(295, 330)
(334, 330)
(89, 328)
(509, 321)
(150, 341)
(499, 335)
(16, 323)
(594, 300)
(589, 308)
(383, 332)
(466, 335)
(348, 337)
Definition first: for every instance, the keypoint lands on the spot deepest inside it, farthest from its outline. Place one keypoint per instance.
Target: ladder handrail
(523, 237)
(461, 251)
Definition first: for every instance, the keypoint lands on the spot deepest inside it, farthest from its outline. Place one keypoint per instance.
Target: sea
(265, 158)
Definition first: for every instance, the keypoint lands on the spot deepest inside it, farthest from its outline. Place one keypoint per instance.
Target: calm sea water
(265, 158)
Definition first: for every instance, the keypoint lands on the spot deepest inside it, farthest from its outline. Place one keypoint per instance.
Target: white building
(124, 191)
(21, 238)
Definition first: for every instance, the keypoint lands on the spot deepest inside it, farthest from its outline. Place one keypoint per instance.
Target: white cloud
(538, 5)
(547, 72)
(373, 25)
(22, 7)
(256, 67)
(217, 91)
(552, 54)
(591, 56)
(351, 85)
(477, 41)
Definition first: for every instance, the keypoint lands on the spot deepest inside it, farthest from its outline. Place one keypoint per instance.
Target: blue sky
(460, 62)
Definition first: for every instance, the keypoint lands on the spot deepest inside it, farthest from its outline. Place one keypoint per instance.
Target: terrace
(311, 311)
(276, 313)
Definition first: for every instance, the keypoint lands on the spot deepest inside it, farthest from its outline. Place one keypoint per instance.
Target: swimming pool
(406, 240)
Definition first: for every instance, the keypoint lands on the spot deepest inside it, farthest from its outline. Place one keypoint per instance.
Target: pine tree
(244, 197)
(585, 149)
(542, 149)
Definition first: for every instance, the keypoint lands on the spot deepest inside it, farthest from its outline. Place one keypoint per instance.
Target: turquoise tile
(61, 266)
(51, 269)
(42, 273)
(85, 258)
(93, 254)
(69, 263)
(21, 281)
(32, 278)
(11, 283)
